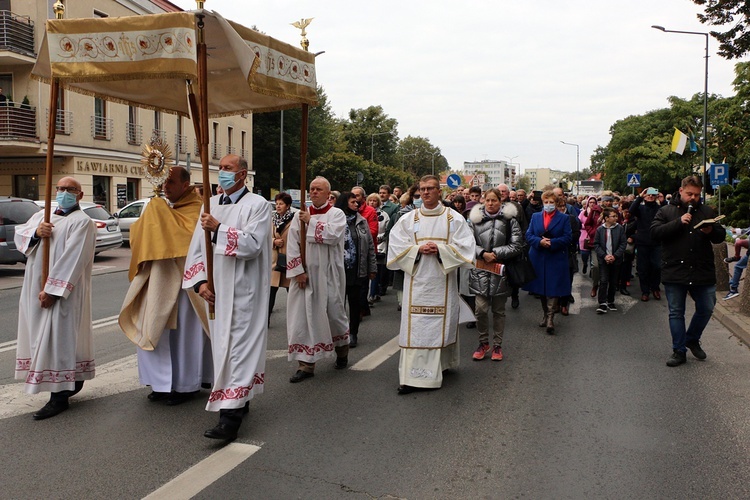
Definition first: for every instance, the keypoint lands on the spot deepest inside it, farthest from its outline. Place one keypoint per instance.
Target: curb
(732, 323)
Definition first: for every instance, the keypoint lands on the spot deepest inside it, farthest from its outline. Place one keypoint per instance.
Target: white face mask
(549, 207)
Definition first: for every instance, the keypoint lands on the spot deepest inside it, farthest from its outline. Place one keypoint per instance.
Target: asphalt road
(592, 412)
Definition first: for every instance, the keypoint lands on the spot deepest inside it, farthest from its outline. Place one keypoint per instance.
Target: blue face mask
(418, 203)
(549, 207)
(66, 200)
(226, 179)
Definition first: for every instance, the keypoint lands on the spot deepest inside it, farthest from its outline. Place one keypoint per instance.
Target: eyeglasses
(63, 189)
(428, 188)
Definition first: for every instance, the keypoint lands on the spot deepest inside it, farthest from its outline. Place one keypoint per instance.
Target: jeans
(483, 305)
(608, 276)
(704, 297)
(648, 266)
(738, 268)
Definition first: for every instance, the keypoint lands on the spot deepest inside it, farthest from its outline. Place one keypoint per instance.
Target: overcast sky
(499, 79)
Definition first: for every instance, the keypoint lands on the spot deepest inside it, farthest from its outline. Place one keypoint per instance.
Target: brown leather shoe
(594, 291)
(644, 297)
(657, 294)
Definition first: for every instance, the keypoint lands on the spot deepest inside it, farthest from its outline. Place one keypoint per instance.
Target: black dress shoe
(205, 385)
(177, 398)
(222, 431)
(158, 396)
(405, 389)
(342, 361)
(624, 291)
(514, 303)
(470, 325)
(51, 409)
(352, 340)
(300, 376)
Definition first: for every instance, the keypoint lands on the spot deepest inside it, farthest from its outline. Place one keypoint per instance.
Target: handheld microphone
(690, 208)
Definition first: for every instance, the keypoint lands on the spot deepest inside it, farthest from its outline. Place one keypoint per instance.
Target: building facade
(496, 172)
(98, 142)
(540, 177)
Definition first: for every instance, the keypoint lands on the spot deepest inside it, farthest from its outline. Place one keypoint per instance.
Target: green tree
(371, 134)
(417, 155)
(735, 41)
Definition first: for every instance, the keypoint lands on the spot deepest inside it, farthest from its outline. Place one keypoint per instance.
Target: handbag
(280, 263)
(520, 270)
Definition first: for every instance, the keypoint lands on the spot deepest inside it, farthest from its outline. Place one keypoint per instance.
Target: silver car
(108, 233)
(13, 211)
(128, 214)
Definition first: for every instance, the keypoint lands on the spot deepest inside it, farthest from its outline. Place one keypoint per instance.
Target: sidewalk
(729, 313)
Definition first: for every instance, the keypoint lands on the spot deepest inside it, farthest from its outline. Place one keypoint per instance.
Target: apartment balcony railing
(63, 123)
(17, 121)
(16, 33)
(180, 144)
(215, 151)
(101, 128)
(134, 134)
(231, 150)
(244, 153)
(158, 134)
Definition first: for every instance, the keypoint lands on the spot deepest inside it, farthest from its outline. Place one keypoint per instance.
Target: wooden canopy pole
(202, 129)
(303, 178)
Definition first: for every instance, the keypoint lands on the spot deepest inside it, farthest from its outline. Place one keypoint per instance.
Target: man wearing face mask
(55, 341)
(687, 266)
(648, 251)
(240, 223)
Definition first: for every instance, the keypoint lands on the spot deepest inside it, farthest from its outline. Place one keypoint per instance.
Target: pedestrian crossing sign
(634, 180)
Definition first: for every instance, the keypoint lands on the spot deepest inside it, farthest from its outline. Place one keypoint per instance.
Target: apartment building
(98, 142)
(540, 177)
(496, 171)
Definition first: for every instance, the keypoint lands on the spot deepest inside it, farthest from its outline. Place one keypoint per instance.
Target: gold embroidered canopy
(145, 60)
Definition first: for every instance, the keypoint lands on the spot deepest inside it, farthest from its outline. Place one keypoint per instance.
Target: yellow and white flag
(679, 141)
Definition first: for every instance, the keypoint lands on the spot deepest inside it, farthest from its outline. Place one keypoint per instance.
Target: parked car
(128, 214)
(13, 211)
(108, 233)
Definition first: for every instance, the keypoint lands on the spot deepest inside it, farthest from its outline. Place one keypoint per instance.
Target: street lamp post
(705, 100)
(372, 144)
(578, 162)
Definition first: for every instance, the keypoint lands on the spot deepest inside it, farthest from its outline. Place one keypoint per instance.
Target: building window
(100, 188)
(26, 186)
(133, 189)
(100, 119)
(133, 129)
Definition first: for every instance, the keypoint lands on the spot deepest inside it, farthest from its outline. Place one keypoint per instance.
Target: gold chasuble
(159, 243)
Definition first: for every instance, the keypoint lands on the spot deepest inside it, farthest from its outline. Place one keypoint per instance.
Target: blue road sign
(453, 181)
(719, 174)
(634, 180)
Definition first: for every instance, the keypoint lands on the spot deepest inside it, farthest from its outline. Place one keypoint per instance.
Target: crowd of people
(451, 259)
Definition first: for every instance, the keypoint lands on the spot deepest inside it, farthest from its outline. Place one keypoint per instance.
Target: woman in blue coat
(549, 235)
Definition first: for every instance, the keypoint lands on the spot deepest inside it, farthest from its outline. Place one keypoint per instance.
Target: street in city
(591, 412)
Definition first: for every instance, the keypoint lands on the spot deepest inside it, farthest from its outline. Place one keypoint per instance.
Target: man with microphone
(687, 266)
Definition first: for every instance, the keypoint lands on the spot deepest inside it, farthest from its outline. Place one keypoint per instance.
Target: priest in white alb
(55, 341)
(163, 320)
(429, 244)
(317, 324)
(240, 225)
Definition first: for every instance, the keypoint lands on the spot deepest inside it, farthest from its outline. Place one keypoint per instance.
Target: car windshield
(17, 212)
(98, 213)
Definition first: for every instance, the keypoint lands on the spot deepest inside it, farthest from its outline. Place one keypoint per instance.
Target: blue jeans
(704, 297)
(738, 268)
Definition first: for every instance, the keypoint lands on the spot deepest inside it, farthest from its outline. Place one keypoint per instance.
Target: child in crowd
(609, 245)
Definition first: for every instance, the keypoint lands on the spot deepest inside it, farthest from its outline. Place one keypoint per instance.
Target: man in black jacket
(687, 266)
(648, 252)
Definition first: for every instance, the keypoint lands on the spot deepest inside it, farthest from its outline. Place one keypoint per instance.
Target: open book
(706, 222)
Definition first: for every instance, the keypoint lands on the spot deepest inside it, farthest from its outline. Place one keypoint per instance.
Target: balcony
(17, 122)
(158, 134)
(244, 153)
(64, 122)
(101, 128)
(134, 134)
(231, 150)
(17, 36)
(180, 144)
(215, 151)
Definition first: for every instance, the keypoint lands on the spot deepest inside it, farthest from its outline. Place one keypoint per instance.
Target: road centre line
(99, 323)
(377, 357)
(204, 473)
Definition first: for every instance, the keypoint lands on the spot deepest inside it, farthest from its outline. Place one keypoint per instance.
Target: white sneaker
(732, 294)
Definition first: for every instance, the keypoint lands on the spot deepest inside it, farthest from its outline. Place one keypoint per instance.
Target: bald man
(55, 340)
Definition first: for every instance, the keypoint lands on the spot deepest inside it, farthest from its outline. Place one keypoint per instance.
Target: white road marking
(204, 473)
(99, 323)
(377, 357)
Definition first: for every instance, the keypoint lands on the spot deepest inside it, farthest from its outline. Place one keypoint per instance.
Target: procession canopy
(143, 60)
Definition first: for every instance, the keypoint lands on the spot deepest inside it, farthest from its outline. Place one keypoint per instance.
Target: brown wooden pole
(54, 91)
(203, 138)
(303, 179)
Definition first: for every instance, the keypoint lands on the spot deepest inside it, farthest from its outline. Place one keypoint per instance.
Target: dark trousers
(64, 395)
(382, 278)
(272, 298)
(626, 271)
(609, 275)
(354, 298)
(648, 265)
